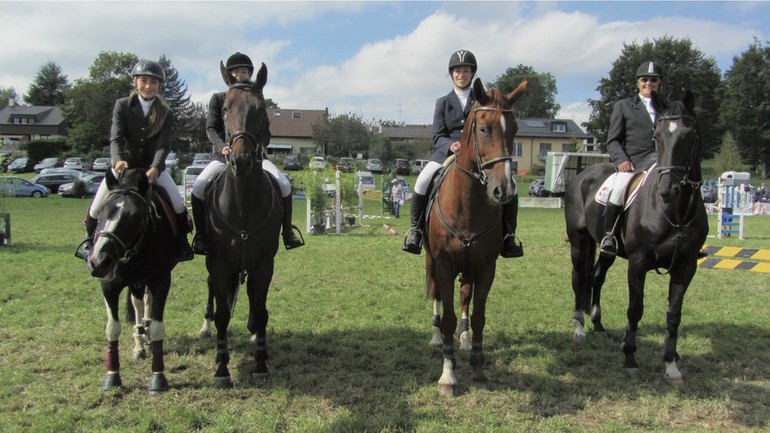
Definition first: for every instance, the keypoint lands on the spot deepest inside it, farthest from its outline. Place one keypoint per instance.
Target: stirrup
(84, 249)
(199, 245)
(514, 251)
(608, 246)
(291, 245)
(415, 244)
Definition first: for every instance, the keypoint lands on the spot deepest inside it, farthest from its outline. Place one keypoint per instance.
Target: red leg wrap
(113, 357)
(157, 356)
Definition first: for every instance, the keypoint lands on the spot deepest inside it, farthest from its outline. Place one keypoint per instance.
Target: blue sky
(381, 60)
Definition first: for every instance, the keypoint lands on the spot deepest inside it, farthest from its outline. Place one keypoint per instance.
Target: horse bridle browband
(128, 250)
(480, 175)
(255, 148)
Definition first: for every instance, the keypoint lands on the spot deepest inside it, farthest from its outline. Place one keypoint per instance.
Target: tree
(745, 107)
(539, 101)
(380, 147)
(48, 86)
(7, 94)
(175, 94)
(728, 158)
(342, 135)
(89, 103)
(683, 66)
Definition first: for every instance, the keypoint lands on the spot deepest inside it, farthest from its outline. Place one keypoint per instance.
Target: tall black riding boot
(84, 249)
(413, 240)
(511, 245)
(199, 218)
(609, 245)
(290, 240)
(184, 252)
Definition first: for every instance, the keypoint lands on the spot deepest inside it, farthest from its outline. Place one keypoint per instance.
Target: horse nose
(503, 194)
(100, 265)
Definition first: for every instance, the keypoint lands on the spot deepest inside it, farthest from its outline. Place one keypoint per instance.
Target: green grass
(348, 333)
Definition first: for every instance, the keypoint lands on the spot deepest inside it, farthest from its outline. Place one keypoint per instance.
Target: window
(518, 149)
(296, 114)
(544, 149)
(277, 113)
(558, 127)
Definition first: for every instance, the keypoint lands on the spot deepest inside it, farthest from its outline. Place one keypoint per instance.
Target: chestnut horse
(465, 231)
(133, 247)
(243, 221)
(663, 228)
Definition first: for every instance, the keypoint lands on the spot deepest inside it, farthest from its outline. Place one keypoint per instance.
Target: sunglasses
(650, 79)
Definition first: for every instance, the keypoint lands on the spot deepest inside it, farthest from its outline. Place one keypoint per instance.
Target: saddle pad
(637, 183)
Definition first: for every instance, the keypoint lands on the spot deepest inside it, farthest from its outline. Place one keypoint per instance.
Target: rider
(630, 145)
(240, 67)
(448, 122)
(139, 138)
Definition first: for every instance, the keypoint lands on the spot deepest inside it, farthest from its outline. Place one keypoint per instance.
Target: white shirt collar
(145, 104)
(463, 94)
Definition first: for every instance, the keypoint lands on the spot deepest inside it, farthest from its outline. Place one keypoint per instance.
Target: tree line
(733, 108)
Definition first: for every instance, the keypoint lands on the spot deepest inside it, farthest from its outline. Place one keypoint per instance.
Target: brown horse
(465, 231)
(243, 221)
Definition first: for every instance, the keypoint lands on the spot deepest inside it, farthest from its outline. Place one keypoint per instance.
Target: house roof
(535, 127)
(43, 115)
(407, 131)
(295, 123)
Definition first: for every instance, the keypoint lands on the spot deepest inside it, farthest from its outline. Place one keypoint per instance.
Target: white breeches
(422, 183)
(619, 186)
(215, 167)
(164, 181)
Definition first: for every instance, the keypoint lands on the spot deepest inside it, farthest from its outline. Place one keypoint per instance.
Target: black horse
(664, 228)
(243, 221)
(134, 246)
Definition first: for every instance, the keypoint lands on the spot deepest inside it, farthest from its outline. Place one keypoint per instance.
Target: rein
(480, 174)
(132, 248)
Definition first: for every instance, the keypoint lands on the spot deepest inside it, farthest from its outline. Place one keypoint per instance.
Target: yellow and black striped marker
(746, 259)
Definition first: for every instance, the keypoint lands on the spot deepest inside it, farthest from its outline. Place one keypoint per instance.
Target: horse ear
(657, 102)
(229, 80)
(517, 92)
(478, 91)
(689, 100)
(261, 79)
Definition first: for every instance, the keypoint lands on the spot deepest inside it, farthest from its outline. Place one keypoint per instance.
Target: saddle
(435, 184)
(632, 188)
(162, 208)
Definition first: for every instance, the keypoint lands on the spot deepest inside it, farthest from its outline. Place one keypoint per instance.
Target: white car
(365, 181)
(374, 165)
(188, 178)
(317, 162)
(172, 160)
(418, 165)
(76, 163)
(101, 164)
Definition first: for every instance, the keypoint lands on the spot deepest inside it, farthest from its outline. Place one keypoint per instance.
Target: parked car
(317, 162)
(418, 165)
(21, 165)
(346, 164)
(77, 172)
(201, 159)
(52, 181)
(188, 178)
(101, 164)
(292, 162)
(329, 187)
(16, 186)
(172, 160)
(76, 162)
(401, 166)
(709, 193)
(537, 188)
(91, 181)
(365, 181)
(47, 163)
(374, 165)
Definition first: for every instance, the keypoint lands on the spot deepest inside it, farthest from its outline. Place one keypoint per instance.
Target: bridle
(255, 145)
(126, 250)
(479, 173)
(672, 170)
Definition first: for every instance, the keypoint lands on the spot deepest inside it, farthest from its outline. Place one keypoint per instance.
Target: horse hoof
(260, 376)
(223, 382)
(436, 338)
(633, 373)
(204, 334)
(158, 384)
(447, 390)
(479, 376)
(579, 338)
(138, 355)
(676, 382)
(111, 381)
(465, 341)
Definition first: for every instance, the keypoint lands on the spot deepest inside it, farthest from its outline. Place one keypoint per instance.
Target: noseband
(671, 170)
(254, 144)
(479, 173)
(127, 250)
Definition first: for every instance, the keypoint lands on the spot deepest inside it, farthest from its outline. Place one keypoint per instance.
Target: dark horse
(134, 246)
(243, 221)
(664, 228)
(465, 231)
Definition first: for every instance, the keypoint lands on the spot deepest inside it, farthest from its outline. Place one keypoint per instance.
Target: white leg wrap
(447, 375)
(672, 372)
(157, 331)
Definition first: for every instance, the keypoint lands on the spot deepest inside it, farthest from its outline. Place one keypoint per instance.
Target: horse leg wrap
(157, 330)
(156, 347)
(113, 356)
(112, 329)
(476, 357)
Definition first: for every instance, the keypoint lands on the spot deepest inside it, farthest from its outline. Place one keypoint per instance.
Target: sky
(379, 60)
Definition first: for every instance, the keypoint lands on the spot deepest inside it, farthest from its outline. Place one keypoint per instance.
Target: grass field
(348, 339)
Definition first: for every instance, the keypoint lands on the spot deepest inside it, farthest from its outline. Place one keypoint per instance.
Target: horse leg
(223, 287)
(140, 319)
(155, 303)
(447, 383)
(208, 316)
(258, 286)
(478, 321)
(436, 324)
(466, 294)
(636, 279)
(112, 330)
(433, 294)
(597, 282)
(677, 288)
(582, 253)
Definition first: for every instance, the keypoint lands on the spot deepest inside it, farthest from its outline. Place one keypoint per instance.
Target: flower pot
(319, 229)
(351, 220)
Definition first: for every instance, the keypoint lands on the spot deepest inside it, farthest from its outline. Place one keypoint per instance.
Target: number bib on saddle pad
(637, 182)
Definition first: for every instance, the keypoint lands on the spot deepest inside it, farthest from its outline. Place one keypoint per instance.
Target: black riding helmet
(150, 68)
(463, 58)
(649, 69)
(239, 60)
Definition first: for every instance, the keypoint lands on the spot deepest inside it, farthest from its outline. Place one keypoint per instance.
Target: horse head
(122, 223)
(246, 122)
(488, 142)
(678, 147)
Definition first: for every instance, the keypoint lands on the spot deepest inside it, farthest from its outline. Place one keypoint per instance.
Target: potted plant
(311, 182)
(349, 195)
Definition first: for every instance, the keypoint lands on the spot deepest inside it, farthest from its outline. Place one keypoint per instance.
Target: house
(291, 130)
(19, 124)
